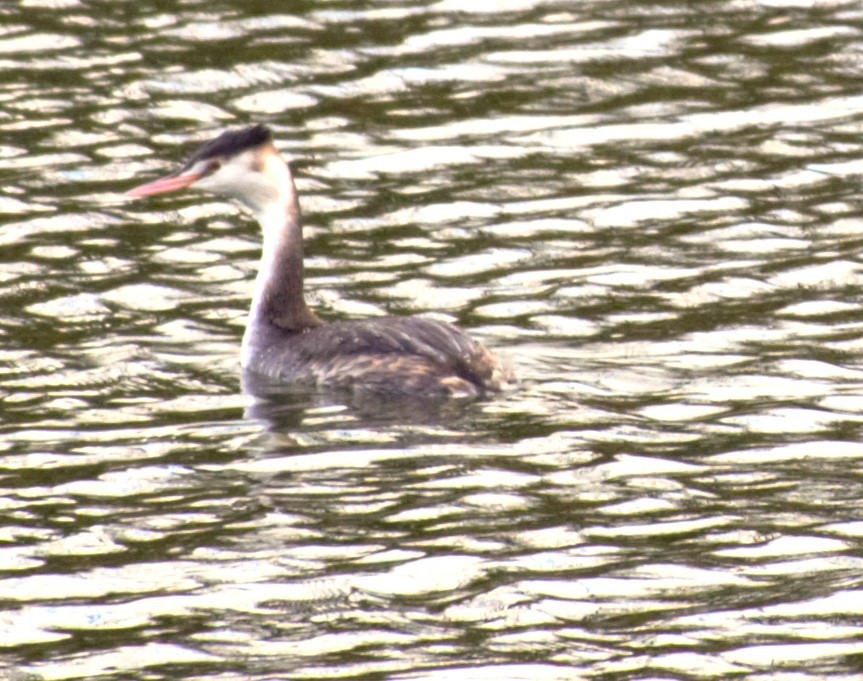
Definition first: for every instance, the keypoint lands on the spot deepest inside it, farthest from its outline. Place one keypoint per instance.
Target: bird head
(240, 164)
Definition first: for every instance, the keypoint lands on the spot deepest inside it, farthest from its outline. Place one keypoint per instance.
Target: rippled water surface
(650, 208)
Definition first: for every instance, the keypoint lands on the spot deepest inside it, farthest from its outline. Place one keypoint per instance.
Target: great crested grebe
(284, 340)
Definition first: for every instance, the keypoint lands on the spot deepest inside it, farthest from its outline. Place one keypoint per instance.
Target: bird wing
(439, 343)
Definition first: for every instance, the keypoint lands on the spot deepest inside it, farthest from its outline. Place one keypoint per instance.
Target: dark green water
(650, 208)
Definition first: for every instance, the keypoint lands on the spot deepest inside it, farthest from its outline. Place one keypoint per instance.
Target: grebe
(284, 340)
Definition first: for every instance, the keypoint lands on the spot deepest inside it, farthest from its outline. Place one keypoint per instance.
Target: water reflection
(283, 408)
(652, 215)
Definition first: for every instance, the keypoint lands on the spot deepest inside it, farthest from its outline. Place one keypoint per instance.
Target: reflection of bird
(284, 339)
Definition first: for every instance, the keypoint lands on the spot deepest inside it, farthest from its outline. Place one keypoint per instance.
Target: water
(651, 209)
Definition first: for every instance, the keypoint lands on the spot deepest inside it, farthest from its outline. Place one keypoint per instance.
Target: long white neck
(277, 301)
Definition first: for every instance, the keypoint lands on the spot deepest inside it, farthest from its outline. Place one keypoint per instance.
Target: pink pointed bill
(163, 185)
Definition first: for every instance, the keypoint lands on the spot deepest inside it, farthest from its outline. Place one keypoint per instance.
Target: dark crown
(232, 142)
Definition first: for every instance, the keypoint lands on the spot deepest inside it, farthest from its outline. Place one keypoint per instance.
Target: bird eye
(212, 167)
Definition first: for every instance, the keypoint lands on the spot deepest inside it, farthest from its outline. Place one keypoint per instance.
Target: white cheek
(245, 185)
(278, 171)
(226, 180)
(259, 182)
